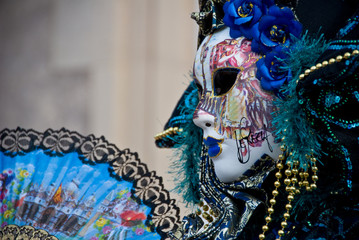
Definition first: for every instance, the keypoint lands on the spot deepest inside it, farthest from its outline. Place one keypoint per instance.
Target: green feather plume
(292, 127)
(187, 155)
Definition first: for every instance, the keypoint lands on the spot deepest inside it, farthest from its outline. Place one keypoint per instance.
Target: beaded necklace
(292, 172)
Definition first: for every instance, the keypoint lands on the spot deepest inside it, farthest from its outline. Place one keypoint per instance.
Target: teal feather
(186, 160)
(187, 164)
(290, 120)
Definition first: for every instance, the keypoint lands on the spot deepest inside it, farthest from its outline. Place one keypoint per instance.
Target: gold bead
(288, 172)
(281, 157)
(272, 201)
(301, 76)
(284, 224)
(305, 183)
(295, 171)
(315, 178)
(294, 180)
(288, 189)
(306, 174)
(281, 233)
(339, 58)
(355, 52)
(261, 236)
(331, 61)
(277, 184)
(205, 215)
(286, 216)
(325, 63)
(275, 192)
(313, 160)
(313, 68)
(347, 55)
(283, 147)
(279, 166)
(313, 186)
(306, 72)
(270, 210)
(201, 203)
(205, 207)
(301, 174)
(300, 183)
(268, 219)
(214, 213)
(319, 65)
(265, 228)
(297, 191)
(314, 169)
(198, 212)
(287, 181)
(278, 175)
(290, 198)
(288, 206)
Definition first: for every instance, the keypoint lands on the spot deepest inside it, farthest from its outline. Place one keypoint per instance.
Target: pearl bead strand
(325, 63)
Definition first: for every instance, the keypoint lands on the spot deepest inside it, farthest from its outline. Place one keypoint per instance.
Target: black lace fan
(61, 185)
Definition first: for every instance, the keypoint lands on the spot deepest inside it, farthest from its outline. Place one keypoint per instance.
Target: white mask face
(234, 111)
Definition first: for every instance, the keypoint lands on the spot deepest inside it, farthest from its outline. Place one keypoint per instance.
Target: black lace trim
(123, 165)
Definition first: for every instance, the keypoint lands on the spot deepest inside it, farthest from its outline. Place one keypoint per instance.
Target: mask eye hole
(224, 79)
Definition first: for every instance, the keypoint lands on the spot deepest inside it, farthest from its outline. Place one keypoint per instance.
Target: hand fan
(61, 185)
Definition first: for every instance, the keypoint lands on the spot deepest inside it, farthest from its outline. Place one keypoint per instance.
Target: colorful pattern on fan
(77, 187)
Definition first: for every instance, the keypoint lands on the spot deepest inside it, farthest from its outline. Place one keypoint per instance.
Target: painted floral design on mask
(240, 106)
(233, 111)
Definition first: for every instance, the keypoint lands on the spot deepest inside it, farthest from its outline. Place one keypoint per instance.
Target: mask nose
(203, 120)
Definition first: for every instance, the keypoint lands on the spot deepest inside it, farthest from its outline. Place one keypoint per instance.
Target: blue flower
(276, 28)
(242, 16)
(271, 72)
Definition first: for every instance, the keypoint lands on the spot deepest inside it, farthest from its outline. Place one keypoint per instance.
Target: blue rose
(271, 72)
(242, 16)
(276, 28)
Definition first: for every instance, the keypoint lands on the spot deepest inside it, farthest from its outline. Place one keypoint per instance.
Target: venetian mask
(234, 111)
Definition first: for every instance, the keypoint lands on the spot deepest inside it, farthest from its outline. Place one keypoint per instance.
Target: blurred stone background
(105, 67)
